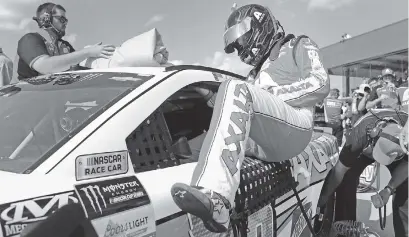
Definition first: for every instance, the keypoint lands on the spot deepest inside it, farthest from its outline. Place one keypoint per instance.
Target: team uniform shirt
(31, 47)
(333, 110)
(392, 101)
(302, 82)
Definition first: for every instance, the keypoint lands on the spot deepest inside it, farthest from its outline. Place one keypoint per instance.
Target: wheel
(323, 220)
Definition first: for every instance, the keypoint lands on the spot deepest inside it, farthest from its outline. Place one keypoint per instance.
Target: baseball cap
(387, 71)
(387, 148)
(362, 88)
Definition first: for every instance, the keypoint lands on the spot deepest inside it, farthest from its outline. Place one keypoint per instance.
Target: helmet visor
(235, 32)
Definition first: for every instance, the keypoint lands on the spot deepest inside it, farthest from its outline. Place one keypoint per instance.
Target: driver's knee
(232, 90)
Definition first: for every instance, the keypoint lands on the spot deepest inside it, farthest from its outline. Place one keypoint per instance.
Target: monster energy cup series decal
(118, 207)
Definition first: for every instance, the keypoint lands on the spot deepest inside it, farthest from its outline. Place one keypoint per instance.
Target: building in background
(354, 59)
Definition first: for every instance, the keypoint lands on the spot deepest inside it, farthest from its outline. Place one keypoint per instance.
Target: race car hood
(21, 186)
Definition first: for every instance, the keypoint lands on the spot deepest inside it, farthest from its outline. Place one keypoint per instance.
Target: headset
(45, 20)
(376, 132)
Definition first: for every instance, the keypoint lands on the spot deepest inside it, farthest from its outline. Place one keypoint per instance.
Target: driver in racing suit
(275, 110)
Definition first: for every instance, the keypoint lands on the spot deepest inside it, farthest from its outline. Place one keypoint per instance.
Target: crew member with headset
(46, 52)
(388, 151)
(374, 137)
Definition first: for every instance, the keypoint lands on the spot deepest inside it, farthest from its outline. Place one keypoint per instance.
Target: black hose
(382, 219)
(303, 210)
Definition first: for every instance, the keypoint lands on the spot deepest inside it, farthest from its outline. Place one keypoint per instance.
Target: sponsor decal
(133, 77)
(313, 157)
(239, 118)
(107, 197)
(367, 177)
(315, 60)
(295, 87)
(299, 223)
(14, 217)
(85, 105)
(137, 226)
(139, 222)
(101, 165)
(259, 16)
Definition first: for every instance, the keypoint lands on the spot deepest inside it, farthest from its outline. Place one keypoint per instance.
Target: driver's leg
(282, 131)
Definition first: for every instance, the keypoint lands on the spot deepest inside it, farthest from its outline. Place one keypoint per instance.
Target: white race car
(116, 140)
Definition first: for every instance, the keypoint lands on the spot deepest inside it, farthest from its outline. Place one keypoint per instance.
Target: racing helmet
(250, 30)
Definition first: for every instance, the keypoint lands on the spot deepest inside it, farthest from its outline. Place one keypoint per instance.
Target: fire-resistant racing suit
(275, 111)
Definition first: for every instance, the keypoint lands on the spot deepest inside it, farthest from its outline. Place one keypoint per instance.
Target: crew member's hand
(381, 199)
(100, 50)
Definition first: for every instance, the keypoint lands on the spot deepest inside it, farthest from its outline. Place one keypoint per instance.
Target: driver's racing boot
(211, 207)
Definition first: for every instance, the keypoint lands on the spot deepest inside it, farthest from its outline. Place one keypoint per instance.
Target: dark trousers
(346, 203)
(346, 191)
(337, 131)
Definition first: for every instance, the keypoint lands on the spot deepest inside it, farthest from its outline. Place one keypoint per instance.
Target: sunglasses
(61, 19)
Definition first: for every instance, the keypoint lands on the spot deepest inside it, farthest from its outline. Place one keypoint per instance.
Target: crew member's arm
(399, 174)
(313, 85)
(374, 99)
(362, 103)
(354, 105)
(33, 51)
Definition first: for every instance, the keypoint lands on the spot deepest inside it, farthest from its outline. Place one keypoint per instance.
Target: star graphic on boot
(217, 205)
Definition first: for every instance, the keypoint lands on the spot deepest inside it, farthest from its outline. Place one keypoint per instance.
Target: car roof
(94, 78)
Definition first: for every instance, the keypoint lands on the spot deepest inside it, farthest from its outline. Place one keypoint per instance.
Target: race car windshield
(39, 115)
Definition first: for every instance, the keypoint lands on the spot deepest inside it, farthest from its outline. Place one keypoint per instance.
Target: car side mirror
(181, 149)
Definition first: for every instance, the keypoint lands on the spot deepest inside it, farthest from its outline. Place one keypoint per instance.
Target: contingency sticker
(101, 165)
(118, 207)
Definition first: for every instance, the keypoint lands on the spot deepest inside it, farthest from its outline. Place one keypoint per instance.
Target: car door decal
(118, 207)
(14, 217)
(99, 165)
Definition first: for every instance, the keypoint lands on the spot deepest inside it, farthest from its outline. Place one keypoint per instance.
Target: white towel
(144, 50)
